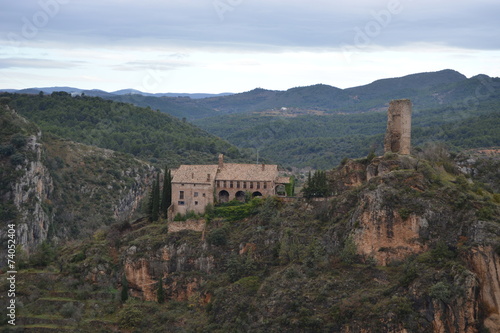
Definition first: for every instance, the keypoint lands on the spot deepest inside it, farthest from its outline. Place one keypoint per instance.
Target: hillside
(404, 245)
(322, 141)
(426, 90)
(56, 190)
(142, 132)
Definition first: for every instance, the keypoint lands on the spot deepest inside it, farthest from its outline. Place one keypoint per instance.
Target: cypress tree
(166, 197)
(155, 206)
(124, 294)
(160, 293)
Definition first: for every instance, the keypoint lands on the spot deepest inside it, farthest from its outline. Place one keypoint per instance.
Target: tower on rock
(398, 134)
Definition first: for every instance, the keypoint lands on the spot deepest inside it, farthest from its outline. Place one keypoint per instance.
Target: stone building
(398, 134)
(195, 186)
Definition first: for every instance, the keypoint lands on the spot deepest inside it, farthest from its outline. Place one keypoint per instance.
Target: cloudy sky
(215, 46)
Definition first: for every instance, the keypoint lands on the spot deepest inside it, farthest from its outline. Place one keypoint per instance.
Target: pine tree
(166, 197)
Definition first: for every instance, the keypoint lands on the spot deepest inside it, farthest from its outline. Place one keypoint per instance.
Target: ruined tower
(398, 134)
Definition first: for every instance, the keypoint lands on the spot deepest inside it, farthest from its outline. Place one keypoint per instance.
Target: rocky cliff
(56, 190)
(405, 245)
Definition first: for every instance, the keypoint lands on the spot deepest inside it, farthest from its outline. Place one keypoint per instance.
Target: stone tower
(398, 134)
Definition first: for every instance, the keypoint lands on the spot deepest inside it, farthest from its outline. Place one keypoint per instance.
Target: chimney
(263, 167)
(221, 161)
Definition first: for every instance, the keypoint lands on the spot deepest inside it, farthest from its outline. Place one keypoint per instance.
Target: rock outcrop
(31, 193)
(57, 190)
(396, 218)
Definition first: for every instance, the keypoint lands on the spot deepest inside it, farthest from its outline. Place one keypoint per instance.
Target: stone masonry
(398, 134)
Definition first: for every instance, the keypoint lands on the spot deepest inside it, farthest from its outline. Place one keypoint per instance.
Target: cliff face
(401, 213)
(58, 190)
(403, 247)
(31, 194)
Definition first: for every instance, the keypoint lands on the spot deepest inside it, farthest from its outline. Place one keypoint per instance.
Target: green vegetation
(322, 141)
(142, 132)
(154, 200)
(166, 192)
(267, 265)
(316, 185)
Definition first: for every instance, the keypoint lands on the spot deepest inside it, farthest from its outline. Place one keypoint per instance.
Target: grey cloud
(36, 63)
(151, 65)
(259, 24)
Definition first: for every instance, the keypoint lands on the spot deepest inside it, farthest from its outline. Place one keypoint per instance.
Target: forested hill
(142, 132)
(424, 89)
(322, 141)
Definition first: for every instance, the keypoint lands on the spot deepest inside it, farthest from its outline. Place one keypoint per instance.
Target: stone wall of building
(398, 134)
(191, 197)
(236, 189)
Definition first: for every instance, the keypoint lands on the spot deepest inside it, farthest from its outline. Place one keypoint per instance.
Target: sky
(215, 46)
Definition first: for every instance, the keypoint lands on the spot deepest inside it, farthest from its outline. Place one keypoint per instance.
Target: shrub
(217, 237)
(68, 310)
(441, 291)
(130, 316)
(18, 140)
(7, 150)
(485, 213)
(17, 159)
(250, 283)
(405, 213)
(349, 252)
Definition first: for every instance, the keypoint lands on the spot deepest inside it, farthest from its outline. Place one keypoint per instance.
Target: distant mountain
(447, 107)
(424, 89)
(102, 93)
(190, 95)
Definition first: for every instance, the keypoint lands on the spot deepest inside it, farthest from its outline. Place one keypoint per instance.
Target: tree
(155, 200)
(166, 198)
(124, 294)
(160, 293)
(316, 185)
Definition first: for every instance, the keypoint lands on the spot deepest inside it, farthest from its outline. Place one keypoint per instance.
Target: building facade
(196, 186)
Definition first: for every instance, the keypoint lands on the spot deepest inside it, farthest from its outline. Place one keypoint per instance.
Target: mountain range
(319, 125)
(426, 90)
(104, 94)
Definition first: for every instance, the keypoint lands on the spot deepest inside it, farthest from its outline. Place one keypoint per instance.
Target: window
(258, 185)
(244, 184)
(181, 203)
(237, 184)
(195, 194)
(265, 185)
(251, 184)
(204, 195)
(218, 183)
(224, 183)
(196, 203)
(231, 184)
(181, 195)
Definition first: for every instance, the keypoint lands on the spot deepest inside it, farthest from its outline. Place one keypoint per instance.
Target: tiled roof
(194, 174)
(250, 172)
